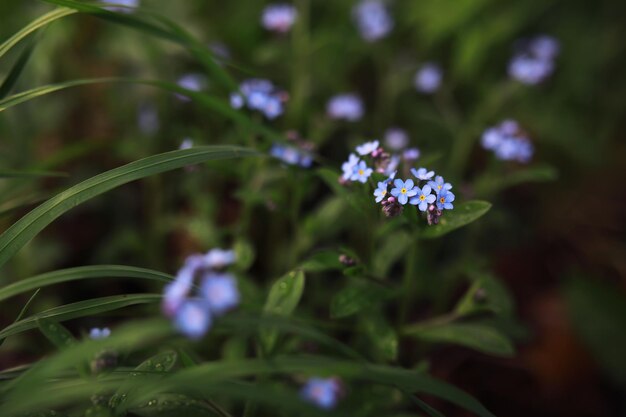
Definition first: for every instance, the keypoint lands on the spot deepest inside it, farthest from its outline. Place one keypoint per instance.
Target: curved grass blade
(80, 273)
(14, 238)
(202, 99)
(10, 80)
(56, 333)
(33, 26)
(80, 309)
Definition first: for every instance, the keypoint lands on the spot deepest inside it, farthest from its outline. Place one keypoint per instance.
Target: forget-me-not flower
(279, 17)
(193, 318)
(444, 200)
(361, 172)
(123, 6)
(411, 154)
(345, 107)
(439, 184)
(348, 166)
(381, 192)
(535, 62)
(193, 82)
(423, 198)
(323, 392)
(220, 292)
(97, 334)
(367, 147)
(428, 78)
(372, 19)
(260, 95)
(219, 258)
(403, 190)
(422, 173)
(396, 138)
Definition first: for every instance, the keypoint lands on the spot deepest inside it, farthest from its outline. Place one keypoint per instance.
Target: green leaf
(476, 336)
(80, 273)
(393, 246)
(356, 297)
(462, 214)
(80, 309)
(33, 26)
(382, 337)
(14, 238)
(327, 260)
(173, 405)
(10, 80)
(486, 294)
(56, 333)
(282, 300)
(598, 315)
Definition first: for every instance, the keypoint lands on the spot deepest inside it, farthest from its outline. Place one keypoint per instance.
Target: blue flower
(219, 258)
(220, 292)
(367, 147)
(236, 100)
(345, 106)
(444, 200)
(279, 17)
(411, 154)
(187, 143)
(535, 62)
(273, 108)
(381, 192)
(544, 46)
(428, 78)
(423, 198)
(260, 95)
(124, 6)
(348, 166)
(322, 392)
(193, 318)
(508, 142)
(193, 82)
(392, 167)
(422, 173)
(403, 190)
(291, 155)
(372, 19)
(396, 138)
(361, 172)
(439, 184)
(97, 334)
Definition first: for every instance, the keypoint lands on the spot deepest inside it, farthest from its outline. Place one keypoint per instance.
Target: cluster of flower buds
(297, 154)
(535, 61)
(261, 95)
(432, 198)
(192, 306)
(508, 142)
(279, 17)
(372, 19)
(322, 392)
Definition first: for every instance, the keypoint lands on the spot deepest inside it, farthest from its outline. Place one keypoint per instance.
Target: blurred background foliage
(556, 242)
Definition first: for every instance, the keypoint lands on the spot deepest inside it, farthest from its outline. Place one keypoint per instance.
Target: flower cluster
(279, 17)
(508, 142)
(432, 197)
(297, 154)
(535, 62)
(322, 392)
(261, 95)
(98, 334)
(192, 307)
(345, 107)
(428, 78)
(372, 19)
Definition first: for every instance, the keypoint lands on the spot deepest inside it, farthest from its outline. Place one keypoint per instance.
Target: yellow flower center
(384, 192)
(422, 197)
(403, 191)
(442, 199)
(361, 172)
(439, 187)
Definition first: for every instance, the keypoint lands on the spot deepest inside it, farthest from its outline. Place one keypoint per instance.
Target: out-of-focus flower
(193, 82)
(261, 95)
(422, 173)
(126, 5)
(345, 107)
(367, 147)
(411, 154)
(221, 53)
(187, 143)
(97, 334)
(508, 142)
(348, 166)
(219, 258)
(396, 138)
(423, 198)
(444, 200)
(361, 172)
(403, 190)
(322, 392)
(428, 78)
(372, 19)
(535, 62)
(220, 292)
(193, 318)
(279, 17)
(148, 119)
